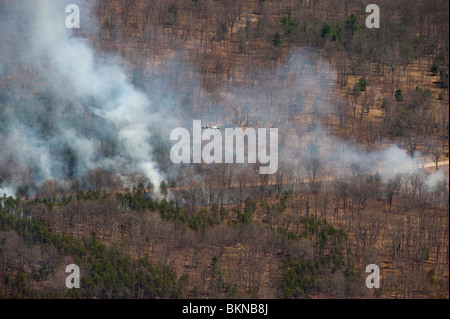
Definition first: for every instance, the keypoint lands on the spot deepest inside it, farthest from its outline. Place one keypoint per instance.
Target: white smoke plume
(70, 110)
(91, 102)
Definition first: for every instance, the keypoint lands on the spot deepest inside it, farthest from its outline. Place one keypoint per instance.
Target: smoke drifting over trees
(85, 122)
(86, 113)
(75, 110)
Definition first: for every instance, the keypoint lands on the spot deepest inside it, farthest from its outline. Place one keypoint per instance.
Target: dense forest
(86, 178)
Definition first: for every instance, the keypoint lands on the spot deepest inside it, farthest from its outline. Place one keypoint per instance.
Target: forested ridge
(311, 68)
(130, 246)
